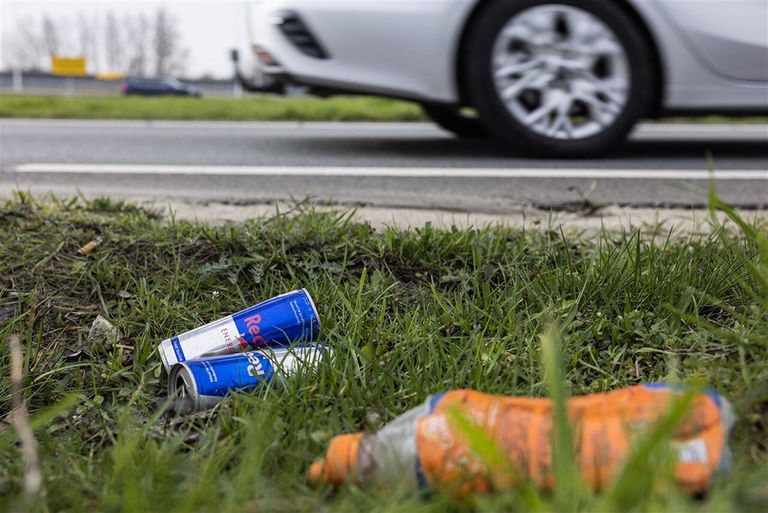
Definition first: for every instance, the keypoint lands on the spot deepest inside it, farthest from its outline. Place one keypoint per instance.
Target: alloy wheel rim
(560, 71)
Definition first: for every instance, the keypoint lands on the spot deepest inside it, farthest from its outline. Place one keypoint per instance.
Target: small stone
(103, 332)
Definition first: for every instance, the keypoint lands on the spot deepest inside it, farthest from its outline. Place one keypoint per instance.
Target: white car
(548, 77)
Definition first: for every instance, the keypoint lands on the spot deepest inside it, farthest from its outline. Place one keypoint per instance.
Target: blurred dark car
(159, 87)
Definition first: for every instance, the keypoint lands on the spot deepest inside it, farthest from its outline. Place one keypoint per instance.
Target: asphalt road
(396, 165)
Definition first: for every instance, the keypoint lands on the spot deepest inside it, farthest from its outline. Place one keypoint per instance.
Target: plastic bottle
(424, 446)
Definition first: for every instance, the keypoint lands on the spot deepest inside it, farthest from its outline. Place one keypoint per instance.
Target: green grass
(254, 108)
(249, 108)
(409, 313)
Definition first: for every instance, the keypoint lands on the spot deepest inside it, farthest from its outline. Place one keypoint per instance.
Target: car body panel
(409, 48)
(730, 37)
(690, 84)
(399, 47)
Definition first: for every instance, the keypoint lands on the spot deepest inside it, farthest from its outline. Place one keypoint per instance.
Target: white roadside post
(18, 83)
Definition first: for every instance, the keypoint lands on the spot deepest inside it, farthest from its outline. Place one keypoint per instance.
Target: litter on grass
(282, 321)
(203, 382)
(90, 246)
(436, 444)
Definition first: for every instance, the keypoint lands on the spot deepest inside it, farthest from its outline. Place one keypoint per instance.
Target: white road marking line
(758, 129)
(332, 126)
(749, 132)
(390, 172)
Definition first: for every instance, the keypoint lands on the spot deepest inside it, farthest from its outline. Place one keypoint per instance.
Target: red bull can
(203, 382)
(280, 321)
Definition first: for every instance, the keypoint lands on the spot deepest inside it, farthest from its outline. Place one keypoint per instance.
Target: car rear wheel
(558, 78)
(451, 118)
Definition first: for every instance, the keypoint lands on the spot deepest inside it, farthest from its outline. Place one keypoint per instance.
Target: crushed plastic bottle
(424, 448)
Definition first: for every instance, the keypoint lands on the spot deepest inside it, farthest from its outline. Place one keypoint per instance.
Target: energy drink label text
(204, 382)
(280, 321)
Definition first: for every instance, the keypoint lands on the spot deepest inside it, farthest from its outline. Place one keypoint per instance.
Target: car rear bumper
(398, 48)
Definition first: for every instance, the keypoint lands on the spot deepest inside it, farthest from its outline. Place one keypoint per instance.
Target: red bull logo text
(281, 321)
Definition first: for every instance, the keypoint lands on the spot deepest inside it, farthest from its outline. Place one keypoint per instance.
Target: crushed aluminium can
(280, 321)
(203, 382)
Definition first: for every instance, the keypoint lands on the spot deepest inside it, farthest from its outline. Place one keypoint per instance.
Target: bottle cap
(340, 464)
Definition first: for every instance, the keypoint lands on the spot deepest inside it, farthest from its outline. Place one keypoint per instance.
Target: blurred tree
(113, 43)
(135, 44)
(34, 41)
(51, 36)
(88, 44)
(168, 54)
(24, 47)
(138, 39)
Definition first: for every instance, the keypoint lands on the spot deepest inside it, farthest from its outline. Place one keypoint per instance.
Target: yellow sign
(68, 66)
(110, 75)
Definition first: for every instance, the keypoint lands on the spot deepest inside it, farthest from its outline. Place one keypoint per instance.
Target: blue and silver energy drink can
(280, 321)
(204, 382)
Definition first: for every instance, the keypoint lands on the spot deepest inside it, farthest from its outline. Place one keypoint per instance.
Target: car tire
(516, 76)
(451, 118)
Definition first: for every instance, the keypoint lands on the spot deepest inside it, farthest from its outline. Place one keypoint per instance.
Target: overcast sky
(209, 28)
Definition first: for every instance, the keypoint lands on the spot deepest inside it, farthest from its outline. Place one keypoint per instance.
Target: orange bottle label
(604, 427)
